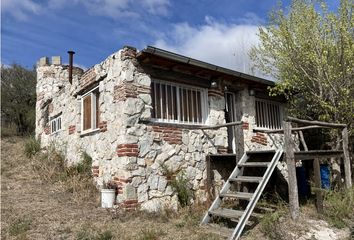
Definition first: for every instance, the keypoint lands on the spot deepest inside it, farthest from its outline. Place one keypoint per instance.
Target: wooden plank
(208, 179)
(319, 196)
(239, 141)
(319, 123)
(293, 129)
(312, 154)
(302, 140)
(347, 169)
(246, 179)
(220, 125)
(227, 213)
(239, 195)
(292, 181)
(254, 164)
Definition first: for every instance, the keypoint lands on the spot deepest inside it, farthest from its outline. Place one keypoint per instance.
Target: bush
(32, 147)
(76, 179)
(180, 186)
(339, 207)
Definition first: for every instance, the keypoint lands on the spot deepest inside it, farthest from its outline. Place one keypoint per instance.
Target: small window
(268, 114)
(90, 110)
(55, 124)
(178, 103)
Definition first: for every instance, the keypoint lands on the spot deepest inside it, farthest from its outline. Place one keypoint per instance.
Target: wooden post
(347, 170)
(303, 142)
(208, 179)
(239, 142)
(292, 181)
(319, 197)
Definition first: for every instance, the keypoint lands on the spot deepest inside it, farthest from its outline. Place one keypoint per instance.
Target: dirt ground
(33, 209)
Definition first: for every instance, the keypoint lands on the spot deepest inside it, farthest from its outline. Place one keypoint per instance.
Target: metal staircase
(248, 160)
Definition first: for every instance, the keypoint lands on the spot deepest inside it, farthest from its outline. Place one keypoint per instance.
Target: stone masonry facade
(127, 147)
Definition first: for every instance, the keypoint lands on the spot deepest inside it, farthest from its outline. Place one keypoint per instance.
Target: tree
(18, 98)
(310, 52)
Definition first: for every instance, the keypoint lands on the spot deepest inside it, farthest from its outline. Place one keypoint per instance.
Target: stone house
(138, 112)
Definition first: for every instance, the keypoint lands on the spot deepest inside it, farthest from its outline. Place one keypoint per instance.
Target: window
(90, 110)
(55, 124)
(268, 114)
(178, 103)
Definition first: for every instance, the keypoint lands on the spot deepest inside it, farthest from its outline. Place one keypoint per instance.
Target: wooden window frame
(176, 103)
(269, 114)
(55, 124)
(94, 95)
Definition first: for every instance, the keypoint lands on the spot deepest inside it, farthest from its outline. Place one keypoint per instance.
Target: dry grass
(38, 203)
(41, 199)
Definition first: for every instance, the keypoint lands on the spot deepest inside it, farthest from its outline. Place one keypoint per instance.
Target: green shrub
(81, 168)
(32, 147)
(180, 186)
(339, 207)
(20, 226)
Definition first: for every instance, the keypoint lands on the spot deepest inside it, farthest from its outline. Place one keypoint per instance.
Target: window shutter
(87, 112)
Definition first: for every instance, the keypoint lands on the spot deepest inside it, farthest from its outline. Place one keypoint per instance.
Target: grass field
(36, 205)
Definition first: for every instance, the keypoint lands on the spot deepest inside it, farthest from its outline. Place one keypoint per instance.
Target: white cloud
(157, 7)
(117, 8)
(222, 44)
(20, 9)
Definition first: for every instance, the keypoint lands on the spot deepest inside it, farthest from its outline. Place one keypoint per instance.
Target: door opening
(230, 116)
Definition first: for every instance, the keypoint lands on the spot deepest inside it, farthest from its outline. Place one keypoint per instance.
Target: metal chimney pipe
(71, 58)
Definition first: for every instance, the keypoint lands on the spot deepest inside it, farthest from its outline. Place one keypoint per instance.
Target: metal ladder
(237, 176)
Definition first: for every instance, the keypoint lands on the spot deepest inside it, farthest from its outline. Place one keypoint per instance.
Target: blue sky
(216, 31)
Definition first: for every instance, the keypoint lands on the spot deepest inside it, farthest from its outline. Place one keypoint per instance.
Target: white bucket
(107, 198)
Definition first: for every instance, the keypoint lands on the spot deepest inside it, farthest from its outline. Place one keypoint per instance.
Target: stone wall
(127, 148)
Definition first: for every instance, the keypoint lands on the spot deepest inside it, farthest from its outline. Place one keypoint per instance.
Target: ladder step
(239, 195)
(217, 229)
(246, 179)
(254, 164)
(226, 213)
(232, 213)
(260, 152)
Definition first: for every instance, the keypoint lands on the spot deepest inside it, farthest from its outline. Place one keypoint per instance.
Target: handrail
(319, 123)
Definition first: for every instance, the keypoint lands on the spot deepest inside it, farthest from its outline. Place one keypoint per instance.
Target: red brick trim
(129, 90)
(102, 126)
(129, 150)
(245, 126)
(260, 138)
(222, 150)
(72, 129)
(215, 92)
(47, 129)
(172, 135)
(88, 78)
(95, 171)
(130, 204)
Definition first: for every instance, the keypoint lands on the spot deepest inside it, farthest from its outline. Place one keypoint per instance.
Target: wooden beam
(326, 124)
(292, 181)
(239, 142)
(302, 140)
(312, 154)
(208, 180)
(347, 169)
(293, 129)
(319, 196)
(220, 125)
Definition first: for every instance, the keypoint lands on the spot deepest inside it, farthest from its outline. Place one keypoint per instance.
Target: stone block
(129, 192)
(56, 60)
(43, 61)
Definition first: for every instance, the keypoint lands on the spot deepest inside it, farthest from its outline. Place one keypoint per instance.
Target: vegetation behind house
(18, 100)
